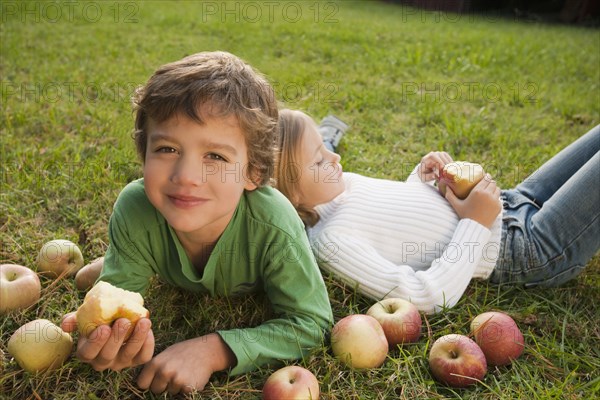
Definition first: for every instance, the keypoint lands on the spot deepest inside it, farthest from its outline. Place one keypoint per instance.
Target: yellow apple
(58, 257)
(87, 276)
(19, 287)
(40, 346)
(106, 303)
(358, 341)
(461, 177)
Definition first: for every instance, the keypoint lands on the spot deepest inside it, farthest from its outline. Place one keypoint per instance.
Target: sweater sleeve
(440, 285)
(296, 290)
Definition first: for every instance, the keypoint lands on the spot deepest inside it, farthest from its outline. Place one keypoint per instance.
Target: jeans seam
(562, 254)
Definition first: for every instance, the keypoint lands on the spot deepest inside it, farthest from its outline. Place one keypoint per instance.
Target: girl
(403, 239)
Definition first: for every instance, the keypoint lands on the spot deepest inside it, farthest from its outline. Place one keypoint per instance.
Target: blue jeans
(551, 225)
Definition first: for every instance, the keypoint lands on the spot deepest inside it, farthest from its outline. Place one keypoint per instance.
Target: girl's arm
(441, 285)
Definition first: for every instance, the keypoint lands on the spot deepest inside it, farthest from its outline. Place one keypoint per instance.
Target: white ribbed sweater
(402, 239)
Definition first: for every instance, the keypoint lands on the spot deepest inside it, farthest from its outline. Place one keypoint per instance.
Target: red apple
(359, 341)
(59, 257)
(292, 382)
(461, 177)
(457, 361)
(498, 336)
(19, 287)
(400, 320)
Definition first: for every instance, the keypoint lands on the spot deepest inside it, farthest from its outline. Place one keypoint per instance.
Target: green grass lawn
(505, 93)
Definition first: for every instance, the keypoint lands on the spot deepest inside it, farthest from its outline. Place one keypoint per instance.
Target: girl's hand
(482, 205)
(431, 165)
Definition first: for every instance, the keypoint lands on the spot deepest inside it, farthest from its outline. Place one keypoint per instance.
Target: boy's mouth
(182, 201)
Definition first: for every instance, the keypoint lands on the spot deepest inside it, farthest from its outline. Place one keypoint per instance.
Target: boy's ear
(250, 186)
(252, 177)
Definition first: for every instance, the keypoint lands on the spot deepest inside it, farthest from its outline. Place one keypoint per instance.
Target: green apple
(19, 287)
(60, 257)
(40, 346)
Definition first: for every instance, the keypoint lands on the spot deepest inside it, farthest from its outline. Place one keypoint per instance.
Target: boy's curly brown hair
(208, 85)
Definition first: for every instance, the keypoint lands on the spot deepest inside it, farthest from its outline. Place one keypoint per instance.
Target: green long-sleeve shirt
(264, 248)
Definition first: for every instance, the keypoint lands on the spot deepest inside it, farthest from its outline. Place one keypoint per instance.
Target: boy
(203, 220)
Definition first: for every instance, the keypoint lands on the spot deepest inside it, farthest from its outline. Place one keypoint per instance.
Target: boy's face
(321, 173)
(195, 174)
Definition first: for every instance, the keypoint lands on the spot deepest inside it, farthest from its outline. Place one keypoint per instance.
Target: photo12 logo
(451, 92)
(269, 11)
(316, 92)
(69, 11)
(55, 92)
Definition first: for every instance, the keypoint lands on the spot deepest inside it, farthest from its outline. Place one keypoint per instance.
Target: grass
(505, 93)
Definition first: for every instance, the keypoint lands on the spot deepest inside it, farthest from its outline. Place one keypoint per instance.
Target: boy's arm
(298, 295)
(303, 316)
(125, 266)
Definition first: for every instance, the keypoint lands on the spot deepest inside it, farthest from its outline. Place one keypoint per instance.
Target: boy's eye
(166, 149)
(215, 157)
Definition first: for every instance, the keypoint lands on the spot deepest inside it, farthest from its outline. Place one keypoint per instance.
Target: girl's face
(320, 179)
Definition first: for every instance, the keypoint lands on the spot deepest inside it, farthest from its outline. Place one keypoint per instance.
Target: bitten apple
(461, 177)
(400, 320)
(105, 303)
(457, 361)
(87, 276)
(498, 336)
(19, 287)
(359, 341)
(40, 346)
(291, 382)
(58, 257)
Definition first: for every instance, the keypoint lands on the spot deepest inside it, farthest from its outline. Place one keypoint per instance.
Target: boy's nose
(188, 173)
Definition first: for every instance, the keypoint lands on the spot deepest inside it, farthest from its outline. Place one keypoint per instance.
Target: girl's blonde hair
(292, 125)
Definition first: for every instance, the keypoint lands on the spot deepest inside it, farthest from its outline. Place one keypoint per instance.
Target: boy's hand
(104, 348)
(186, 366)
(431, 165)
(482, 204)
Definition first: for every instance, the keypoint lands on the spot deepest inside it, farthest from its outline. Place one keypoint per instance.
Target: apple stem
(12, 277)
(453, 354)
